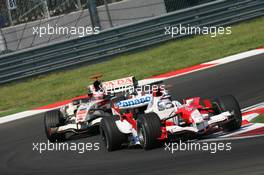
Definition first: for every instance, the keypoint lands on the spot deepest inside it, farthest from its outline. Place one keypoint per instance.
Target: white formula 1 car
(84, 115)
(150, 119)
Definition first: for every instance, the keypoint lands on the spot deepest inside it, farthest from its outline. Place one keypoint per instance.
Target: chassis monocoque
(166, 120)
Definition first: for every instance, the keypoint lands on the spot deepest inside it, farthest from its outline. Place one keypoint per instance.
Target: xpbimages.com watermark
(80, 148)
(195, 30)
(211, 147)
(62, 30)
(139, 89)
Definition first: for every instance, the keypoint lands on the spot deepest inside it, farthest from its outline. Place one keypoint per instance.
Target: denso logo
(134, 102)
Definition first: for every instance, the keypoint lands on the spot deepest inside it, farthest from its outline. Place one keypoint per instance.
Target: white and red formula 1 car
(150, 119)
(84, 115)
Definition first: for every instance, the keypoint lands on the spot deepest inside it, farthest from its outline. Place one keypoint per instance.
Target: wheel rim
(142, 136)
(238, 119)
(107, 142)
(104, 138)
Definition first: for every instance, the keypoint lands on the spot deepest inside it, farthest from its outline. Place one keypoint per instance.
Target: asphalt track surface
(243, 79)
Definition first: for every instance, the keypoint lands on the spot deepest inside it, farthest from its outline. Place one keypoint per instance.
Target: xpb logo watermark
(213, 31)
(211, 147)
(62, 30)
(80, 148)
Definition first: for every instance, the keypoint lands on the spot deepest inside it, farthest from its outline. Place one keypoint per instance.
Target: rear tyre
(53, 119)
(111, 136)
(149, 130)
(229, 103)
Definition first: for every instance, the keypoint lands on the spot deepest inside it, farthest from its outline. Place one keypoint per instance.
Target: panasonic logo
(134, 102)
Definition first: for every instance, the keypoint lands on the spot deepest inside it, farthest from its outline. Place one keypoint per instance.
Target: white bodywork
(78, 116)
(168, 110)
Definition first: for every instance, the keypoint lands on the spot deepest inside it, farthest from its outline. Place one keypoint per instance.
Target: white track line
(256, 106)
(237, 57)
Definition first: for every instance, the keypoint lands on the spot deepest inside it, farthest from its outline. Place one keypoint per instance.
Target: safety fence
(27, 15)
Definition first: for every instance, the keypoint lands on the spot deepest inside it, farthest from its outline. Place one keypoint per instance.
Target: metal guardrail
(122, 39)
(173, 5)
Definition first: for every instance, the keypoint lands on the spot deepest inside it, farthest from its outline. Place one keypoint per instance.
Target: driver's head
(97, 85)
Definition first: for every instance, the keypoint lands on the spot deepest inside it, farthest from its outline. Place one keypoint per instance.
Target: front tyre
(53, 119)
(111, 136)
(149, 130)
(229, 103)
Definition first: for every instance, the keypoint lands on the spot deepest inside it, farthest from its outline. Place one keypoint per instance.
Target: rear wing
(117, 86)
